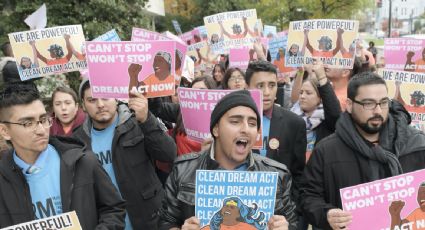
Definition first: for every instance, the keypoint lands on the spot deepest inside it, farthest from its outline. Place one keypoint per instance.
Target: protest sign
(110, 36)
(38, 19)
(176, 26)
(270, 31)
(139, 34)
(331, 41)
(230, 29)
(202, 32)
(409, 89)
(117, 67)
(223, 196)
(48, 51)
(202, 56)
(196, 106)
(240, 57)
(65, 221)
(405, 54)
(188, 69)
(277, 49)
(397, 201)
(181, 49)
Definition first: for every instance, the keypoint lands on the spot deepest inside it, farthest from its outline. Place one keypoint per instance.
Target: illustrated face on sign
(56, 51)
(236, 29)
(423, 54)
(421, 197)
(214, 38)
(230, 213)
(417, 98)
(25, 63)
(161, 67)
(293, 51)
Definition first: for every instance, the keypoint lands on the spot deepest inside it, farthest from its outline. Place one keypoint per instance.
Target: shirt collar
(39, 163)
(268, 113)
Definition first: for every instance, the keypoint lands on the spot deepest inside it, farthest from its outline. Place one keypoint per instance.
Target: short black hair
(259, 66)
(17, 94)
(84, 87)
(361, 79)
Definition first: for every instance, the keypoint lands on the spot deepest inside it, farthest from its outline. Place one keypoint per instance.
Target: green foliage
(96, 16)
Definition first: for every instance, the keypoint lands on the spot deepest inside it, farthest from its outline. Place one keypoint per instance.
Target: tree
(96, 16)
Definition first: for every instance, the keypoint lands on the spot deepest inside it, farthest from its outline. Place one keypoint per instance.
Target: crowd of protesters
(131, 165)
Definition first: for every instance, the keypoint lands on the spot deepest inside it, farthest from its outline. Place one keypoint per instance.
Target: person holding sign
(56, 52)
(127, 143)
(372, 141)
(284, 133)
(46, 176)
(325, 45)
(234, 126)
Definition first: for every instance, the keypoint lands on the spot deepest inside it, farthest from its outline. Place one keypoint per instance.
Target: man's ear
(4, 132)
(83, 106)
(215, 131)
(349, 106)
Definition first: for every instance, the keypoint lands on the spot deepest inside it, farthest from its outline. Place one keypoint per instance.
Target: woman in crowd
(66, 112)
(316, 102)
(234, 78)
(218, 73)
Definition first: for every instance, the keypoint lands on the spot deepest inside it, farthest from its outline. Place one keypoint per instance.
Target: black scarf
(384, 153)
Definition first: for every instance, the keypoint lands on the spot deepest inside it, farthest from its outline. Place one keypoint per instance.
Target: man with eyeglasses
(45, 176)
(373, 140)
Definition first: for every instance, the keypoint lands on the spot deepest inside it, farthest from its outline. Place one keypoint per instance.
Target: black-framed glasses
(371, 105)
(46, 122)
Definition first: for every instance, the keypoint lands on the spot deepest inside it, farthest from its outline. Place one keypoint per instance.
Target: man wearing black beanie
(234, 125)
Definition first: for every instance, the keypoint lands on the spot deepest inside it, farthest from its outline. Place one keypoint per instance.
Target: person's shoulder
(187, 158)
(287, 115)
(270, 163)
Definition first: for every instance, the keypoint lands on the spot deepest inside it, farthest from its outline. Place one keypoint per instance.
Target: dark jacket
(289, 129)
(332, 110)
(85, 187)
(179, 202)
(336, 164)
(134, 148)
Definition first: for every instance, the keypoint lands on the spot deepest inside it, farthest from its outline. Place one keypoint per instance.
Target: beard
(370, 129)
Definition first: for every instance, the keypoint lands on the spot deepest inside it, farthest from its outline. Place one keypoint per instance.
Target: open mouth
(241, 146)
(422, 202)
(227, 213)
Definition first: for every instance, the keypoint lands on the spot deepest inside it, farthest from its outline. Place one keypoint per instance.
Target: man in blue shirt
(127, 144)
(42, 177)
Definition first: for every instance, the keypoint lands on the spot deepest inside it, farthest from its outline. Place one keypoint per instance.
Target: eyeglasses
(371, 105)
(236, 79)
(46, 122)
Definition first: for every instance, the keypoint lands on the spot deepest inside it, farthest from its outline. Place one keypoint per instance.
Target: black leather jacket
(179, 202)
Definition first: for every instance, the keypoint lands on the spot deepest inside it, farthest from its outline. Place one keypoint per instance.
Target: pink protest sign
(397, 202)
(117, 67)
(405, 54)
(196, 106)
(240, 57)
(138, 34)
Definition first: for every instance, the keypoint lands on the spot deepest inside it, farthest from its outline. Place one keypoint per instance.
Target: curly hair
(57, 50)
(247, 214)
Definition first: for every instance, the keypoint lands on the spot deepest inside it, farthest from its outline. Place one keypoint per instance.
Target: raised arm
(397, 94)
(307, 42)
(69, 47)
(34, 53)
(37, 54)
(296, 86)
(133, 73)
(339, 41)
(245, 25)
(223, 31)
(409, 62)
